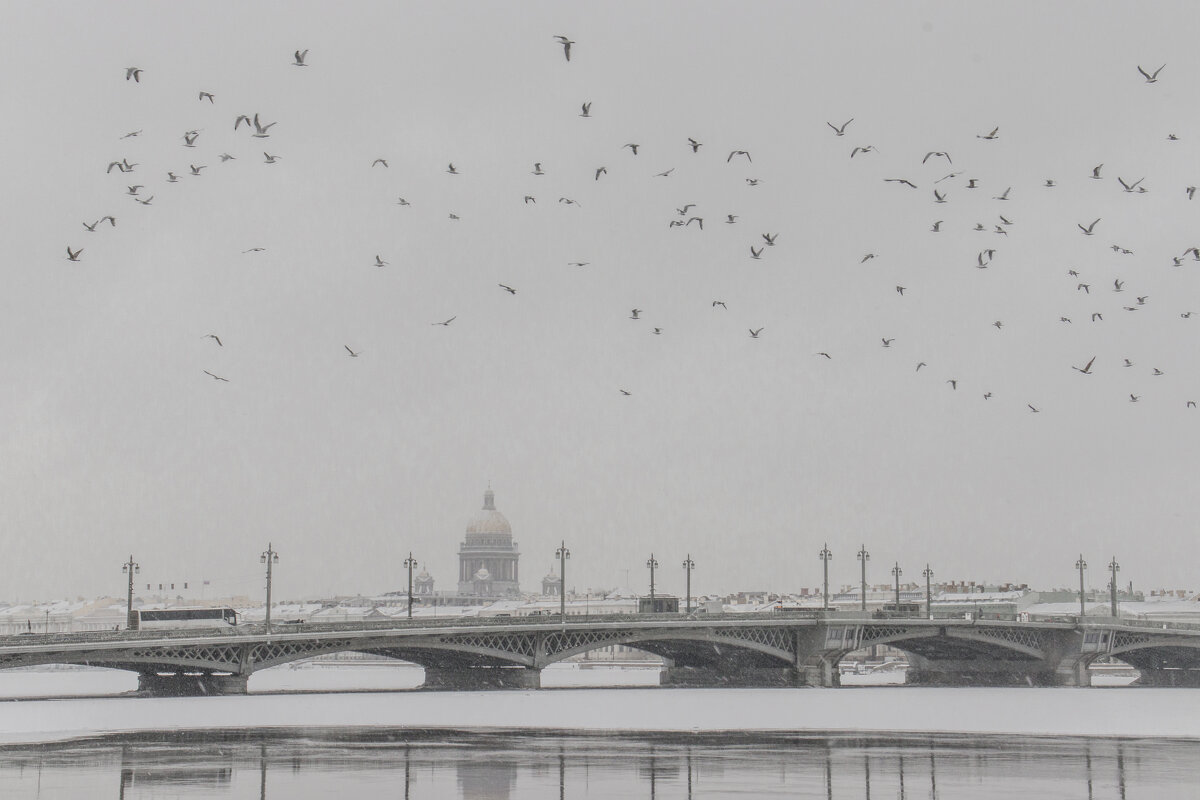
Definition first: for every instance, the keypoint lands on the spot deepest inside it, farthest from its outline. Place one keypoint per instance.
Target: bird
(1049, 184)
(91, 228)
(270, 158)
(1191, 192)
(214, 337)
(754, 332)
(634, 313)
(1097, 317)
(172, 177)
(189, 138)
(1150, 78)
(1191, 403)
(906, 182)
(953, 383)
(451, 169)
(300, 56)
(1096, 172)
(73, 255)
(1133, 398)
(733, 153)
(195, 169)
(351, 352)
(454, 216)
(1003, 195)
(1033, 409)
(237, 123)
(1157, 371)
(1128, 363)
(696, 219)
(753, 181)
(867, 258)
(631, 146)
(566, 43)
(1086, 369)
(119, 165)
(919, 365)
(508, 289)
(842, 130)
(826, 355)
(402, 202)
(1089, 229)
(1172, 137)
(135, 73)
(1129, 187)
(755, 253)
(692, 143)
(208, 95)
(972, 183)
(683, 211)
(131, 134)
(254, 250)
(446, 323)
(537, 169)
(587, 110)
(601, 171)
(657, 331)
(932, 153)
(134, 189)
(1004, 220)
(998, 324)
(887, 342)
(626, 393)
(937, 226)
(382, 161)
(1118, 285)
(666, 174)
(730, 219)
(568, 201)
(938, 197)
(720, 303)
(1065, 319)
(112, 221)
(216, 377)
(260, 130)
(226, 157)
(578, 263)
(995, 134)
(867, 149)
(379, 262)
(147, 201)
(770, 238)
(987, 395)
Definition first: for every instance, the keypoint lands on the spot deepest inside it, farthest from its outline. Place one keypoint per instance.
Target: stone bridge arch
(1162, 660)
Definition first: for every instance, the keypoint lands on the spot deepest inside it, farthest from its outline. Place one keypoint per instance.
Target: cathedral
(487, 558)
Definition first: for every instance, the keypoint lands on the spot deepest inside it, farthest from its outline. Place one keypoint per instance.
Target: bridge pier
(821, 673)
(482, 678)
(182, 684)
(731, 677)
(979, 672)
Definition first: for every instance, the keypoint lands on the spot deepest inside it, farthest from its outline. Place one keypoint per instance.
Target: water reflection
(409, 764)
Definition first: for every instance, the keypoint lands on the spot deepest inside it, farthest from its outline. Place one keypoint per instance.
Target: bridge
(781, 649)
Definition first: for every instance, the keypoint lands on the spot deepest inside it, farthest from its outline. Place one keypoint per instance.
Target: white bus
(163, 618)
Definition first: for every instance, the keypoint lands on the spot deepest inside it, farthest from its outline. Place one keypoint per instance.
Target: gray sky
(749, 453)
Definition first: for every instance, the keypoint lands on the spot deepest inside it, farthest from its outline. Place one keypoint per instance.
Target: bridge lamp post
(1081, 565)
(562, 554)
(688, 566)
(928, 573)
(652, 564)
(409, 563)
(864, 557)
(270, 558)
(825, 555)
(897, 572)
(1114, 568)
(131, 568)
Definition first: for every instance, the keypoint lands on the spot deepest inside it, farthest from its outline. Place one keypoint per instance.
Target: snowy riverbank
(1139, 712)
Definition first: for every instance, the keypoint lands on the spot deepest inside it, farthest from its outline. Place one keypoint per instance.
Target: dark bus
(170, 618)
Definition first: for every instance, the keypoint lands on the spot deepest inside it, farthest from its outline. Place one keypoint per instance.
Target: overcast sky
(749, 453)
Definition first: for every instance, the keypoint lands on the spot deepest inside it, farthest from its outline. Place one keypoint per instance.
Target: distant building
(551, 584)
(423, 584)
(488, 556)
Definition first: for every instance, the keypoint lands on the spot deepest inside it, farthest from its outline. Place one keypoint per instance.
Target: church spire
(489, 499)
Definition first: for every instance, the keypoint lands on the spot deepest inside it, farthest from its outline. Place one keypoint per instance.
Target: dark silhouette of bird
(1090, 228)
(1033, 409)
(216, 377)
(382, 161)
(904, 181)
(91, 228)
(195, 169)
(842, 130)
(692, 143)
(508, 289)
(1096, 172)
(868, 149)
(755, 253)
(720, 303)
(537, 169)
(631, 146)
(666, 174)
(933, 153)
(1133, 398)
(300, 56)
(1157, 371)
(938, 197)
(1129, 187)
(131, 134)
(826, 355)
(953, 383)
(208, 95)
(919, 365)
(900, 290)
(73, 255)
(214, 337)
(696, 219)
(1118, 285)
(578, 263)
(730, 219)
(260, 130)
(635, 313)
(446, 323)
(995, 134)
(351, 352)
(587, 110)
(733, 153)
(887, 342)
(754, 332)
(1150, 78)
(657, 331)
(379, 262)
(770, 238)
(1097, 317)
(450, 168)
(867, 258)
(1003, 195)
(566, 44)
(147, 201)
(135, 73)
(627, 394)
(601, 171)
(1086, 369)
(937, 227)
(270, 159)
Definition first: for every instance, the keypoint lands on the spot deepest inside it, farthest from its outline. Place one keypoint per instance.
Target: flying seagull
(733, 153)
(73, 255)
(842, 130)
(447, 322)
(208, 95)
(351, 352)
(300, 56)
(214, 337)
(755, 332)
(933, 153)
(1150, 78)
(692, 143)
(136, 74)
(260, 130)
(995, 134)
(566, 43)
(631, 146)
(587, 110)
(508, 289)
(380, 161)
(1088, 230)
(216, 377)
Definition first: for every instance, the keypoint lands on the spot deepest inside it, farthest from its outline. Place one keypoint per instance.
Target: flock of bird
(936, 192)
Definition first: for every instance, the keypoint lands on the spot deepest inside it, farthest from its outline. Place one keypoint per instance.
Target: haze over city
(754, 408)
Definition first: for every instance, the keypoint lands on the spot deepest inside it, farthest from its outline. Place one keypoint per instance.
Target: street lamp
(928, 573)
(688, 566)
(897, 572)
(409, 563)
(131, 568)
(652, 564)
(864, 557)
(270, 558)
(1081, 565)
(1114, 568)
(562, 554)
(825, 555)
